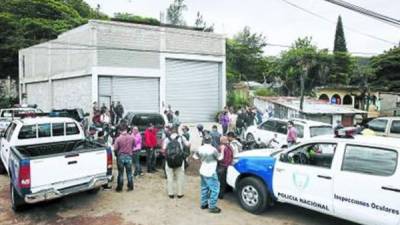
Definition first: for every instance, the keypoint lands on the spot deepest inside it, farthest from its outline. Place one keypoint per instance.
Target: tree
(343, 63)
(340, 41)
(201, 24)
(130, 18)
(387, 69)
(175, 13)
(245, 60)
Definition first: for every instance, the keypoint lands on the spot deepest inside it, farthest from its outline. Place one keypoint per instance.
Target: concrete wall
(389, 104)
(38, 93)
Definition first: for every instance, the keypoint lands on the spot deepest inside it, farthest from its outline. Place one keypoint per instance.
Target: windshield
(143, 120)
(321, 130)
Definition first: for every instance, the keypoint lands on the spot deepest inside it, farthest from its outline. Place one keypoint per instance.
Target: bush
(7, 102)
(264, 92)
(238, 99)
(130, 18)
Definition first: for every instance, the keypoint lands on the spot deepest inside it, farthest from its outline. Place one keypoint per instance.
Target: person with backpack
(226, 150)
(209, 186)
(175, 152)
(150, 139)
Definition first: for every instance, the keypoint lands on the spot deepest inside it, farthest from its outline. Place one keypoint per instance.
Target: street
(149, 204)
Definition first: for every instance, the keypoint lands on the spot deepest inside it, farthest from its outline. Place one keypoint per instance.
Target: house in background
(289, 107)
(144, 67)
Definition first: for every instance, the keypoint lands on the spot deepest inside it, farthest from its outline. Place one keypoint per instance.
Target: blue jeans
(136, 161)
(209, 190)
(124, 162)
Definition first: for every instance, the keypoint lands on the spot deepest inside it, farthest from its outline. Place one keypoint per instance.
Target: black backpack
(175, 153)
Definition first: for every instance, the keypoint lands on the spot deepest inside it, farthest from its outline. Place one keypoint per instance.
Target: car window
(71, 129)
(281, 127)
(27, 132)
(10, 131)
(369, 160)
(320, 130)
(269, 125)
(316, 154)
(395, 128)
(300, 130)
(6, 113)
(44, 130)
(58, 129)
(378, 125)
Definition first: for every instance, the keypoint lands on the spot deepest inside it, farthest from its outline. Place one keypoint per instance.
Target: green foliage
(387, 68)
(244, 56)
(237, 99)
(340, 41)
(264, 92)
(7, 102)
(175, 13)
(201, 24)
(127, 17)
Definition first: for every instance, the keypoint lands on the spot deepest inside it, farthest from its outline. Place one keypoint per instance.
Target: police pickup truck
(49, 158)
(354, 178)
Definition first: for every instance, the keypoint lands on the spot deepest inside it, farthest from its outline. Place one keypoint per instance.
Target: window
(6, 113)
(300, 130)
(395, 128)
(71, 129)
(27, 132)
(317, 154)
(321, 130)
(269, 125)
(281, 127)
(58, 129)
(143, 120)
(369, 160)
(44, 130)
(10, 131)
(378, 125)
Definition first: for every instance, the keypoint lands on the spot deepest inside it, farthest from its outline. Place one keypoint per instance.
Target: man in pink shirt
(136, 151)
(291, 134)
(123, 148)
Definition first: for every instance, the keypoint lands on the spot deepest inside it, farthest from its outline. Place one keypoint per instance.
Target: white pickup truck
(357, 179)
(48, 158)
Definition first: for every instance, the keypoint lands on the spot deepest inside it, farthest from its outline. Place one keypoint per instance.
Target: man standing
(291, 134)
(136, 151)
(176, 122)
(210, 185)
(119, 110)
(224, 121)
(215, 136)
(112, 113)
(225, 149)
(150, 137)
(123, 147)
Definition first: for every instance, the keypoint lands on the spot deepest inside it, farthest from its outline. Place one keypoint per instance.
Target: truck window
(378, 125)
(58, 129)
(320, 130)
(71, 129)
(269, 125)
(395, 128)
(316, 154)
(300, 130)
(44, 130)
(27, 132)
(369, 160)
(281, 127)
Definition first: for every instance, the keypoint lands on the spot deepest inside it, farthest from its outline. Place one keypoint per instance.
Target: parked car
(263, 133)
(356, 178)
(385, 126)
(142, 121)
(49, 158)
(9, 114)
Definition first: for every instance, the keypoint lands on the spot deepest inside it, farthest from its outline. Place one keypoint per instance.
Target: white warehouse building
(144, 67)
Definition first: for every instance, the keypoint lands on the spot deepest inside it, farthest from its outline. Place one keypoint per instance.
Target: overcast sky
(278, 21)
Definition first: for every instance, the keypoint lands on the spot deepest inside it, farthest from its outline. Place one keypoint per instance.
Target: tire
(17, 202)
(2, 168)
(93, 191)
(253, 195)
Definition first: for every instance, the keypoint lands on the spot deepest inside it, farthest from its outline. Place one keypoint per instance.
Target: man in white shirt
(209, 156)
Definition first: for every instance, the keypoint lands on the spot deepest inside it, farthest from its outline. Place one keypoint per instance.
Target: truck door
(5, 144)
(303, 177)
(367, 188)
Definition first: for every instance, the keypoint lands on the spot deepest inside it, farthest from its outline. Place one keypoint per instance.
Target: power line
(333, 22)
(367, 12)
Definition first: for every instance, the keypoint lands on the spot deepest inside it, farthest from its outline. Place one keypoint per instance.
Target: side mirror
(284, 157)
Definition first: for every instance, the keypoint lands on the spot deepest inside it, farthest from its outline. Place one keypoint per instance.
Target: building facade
(144, 67)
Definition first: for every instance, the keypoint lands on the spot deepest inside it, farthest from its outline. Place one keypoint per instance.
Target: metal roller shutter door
(193, 88)
(137, 94)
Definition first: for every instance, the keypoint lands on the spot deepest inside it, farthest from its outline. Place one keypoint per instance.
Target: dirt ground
(149, 204)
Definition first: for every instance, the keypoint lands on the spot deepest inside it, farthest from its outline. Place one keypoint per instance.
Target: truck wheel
(17, 202)
(252, 195)
(2, 168)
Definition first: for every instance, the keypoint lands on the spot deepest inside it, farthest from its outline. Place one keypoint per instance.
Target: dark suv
(142, 121)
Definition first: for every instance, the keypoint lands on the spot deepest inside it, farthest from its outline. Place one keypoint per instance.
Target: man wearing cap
(209, 156)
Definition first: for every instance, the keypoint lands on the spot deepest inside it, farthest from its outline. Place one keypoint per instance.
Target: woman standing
(224, 121)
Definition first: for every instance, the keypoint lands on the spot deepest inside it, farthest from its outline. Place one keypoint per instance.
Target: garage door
(193, 88)
(135, 94)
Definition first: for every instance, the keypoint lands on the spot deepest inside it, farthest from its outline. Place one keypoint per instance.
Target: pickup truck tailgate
(67, 168)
